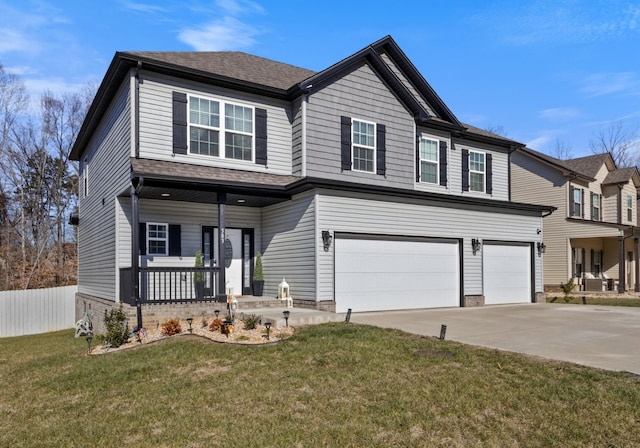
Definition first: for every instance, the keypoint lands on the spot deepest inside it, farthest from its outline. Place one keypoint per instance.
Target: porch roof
(195, 183)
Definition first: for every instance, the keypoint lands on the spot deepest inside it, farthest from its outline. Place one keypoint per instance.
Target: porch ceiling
(173, 193)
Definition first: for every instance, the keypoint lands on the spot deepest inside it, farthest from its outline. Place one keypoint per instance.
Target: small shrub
(242, 338)
(216, 324)
(251, 321)
(567, 288)
(115, 321)
(171, 327)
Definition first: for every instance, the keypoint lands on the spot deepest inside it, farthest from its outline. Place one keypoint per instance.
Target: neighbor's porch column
(636, 240)
(621, 279)
(222, 230)
(135, 249)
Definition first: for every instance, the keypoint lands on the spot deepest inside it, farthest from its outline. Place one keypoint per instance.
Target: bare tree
(562, 150)
(619, 141)
(497, 129)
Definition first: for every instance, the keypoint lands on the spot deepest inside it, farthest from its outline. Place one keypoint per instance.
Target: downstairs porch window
(157, 238)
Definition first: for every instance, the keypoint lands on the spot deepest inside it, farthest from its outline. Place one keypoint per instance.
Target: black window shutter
(179, 123)
(261, 136)
(175, 241)
(465, 170)
(345, 143)
(142, 238)
(583, 200)
(489, 173)
(443, 163)
(417, 159)
(381, 149)
(593, 264)
(571, 201)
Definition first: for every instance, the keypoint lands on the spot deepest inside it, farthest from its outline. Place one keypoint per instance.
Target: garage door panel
(507, 273)
(374, 275)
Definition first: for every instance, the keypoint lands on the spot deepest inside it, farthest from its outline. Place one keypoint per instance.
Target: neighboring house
(593, 235)
(357, 183)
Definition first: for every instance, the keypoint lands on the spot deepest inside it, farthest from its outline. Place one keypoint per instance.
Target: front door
(238, 256)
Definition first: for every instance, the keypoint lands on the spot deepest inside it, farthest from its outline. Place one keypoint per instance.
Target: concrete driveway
(606, 337)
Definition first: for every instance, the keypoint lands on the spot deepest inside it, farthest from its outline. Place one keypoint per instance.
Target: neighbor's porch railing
(170, 284)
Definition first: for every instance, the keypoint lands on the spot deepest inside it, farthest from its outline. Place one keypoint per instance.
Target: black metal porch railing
(171, 285)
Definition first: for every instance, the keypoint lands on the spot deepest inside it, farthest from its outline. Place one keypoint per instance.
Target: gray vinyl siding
(191, 217)
(610, 203)
(108, 164)
(296, 156)
(156, 124)
(407, 84)
(289, 244)
(500, 169)
(374, 215)
(360, 94)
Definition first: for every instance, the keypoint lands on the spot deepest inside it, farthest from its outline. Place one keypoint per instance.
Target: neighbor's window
(629, 207)
(577, 202)
(208, 131)
(364, 146)
(157, 239)
(578, 262)
(595, 207)
(477, 169)
(428, 161)
(597, 263)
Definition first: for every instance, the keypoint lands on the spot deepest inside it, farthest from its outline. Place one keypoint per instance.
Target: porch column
(135, 249)
(222, 230)
(637, 265)
(621, 279)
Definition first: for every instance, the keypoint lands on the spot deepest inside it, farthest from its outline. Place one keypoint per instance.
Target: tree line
(38, 185)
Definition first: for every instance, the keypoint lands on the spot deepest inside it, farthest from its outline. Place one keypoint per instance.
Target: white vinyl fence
(34, 311)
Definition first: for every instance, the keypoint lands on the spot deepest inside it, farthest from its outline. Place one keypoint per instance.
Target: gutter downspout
(303, 146)
(135, 246)
(137, 111)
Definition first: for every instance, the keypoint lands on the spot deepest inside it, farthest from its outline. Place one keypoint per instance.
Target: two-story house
(593, 236)
(356, 183)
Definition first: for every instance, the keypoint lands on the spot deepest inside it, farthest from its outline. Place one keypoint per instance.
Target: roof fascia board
(310, 183)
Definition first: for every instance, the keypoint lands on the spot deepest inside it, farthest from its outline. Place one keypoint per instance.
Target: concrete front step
(297, 316)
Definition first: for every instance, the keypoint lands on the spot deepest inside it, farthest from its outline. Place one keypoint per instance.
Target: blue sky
(543, 70)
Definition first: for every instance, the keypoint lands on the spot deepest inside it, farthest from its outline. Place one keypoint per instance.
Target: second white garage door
(380, 274)
(507, 273)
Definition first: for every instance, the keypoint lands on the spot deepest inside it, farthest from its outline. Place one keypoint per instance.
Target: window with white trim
(209, 131)
(157, 238)
(429, 161)
(363, 146)
(577, 202)
(629, 207)
(595, 207)
(477, 171)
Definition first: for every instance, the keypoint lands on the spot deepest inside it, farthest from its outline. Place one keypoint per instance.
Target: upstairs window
(364, 146)
(157, 238)
(577, 201)
(629, 207)
(596, 212)
(209, 131)
(429, 161)
(477, 171)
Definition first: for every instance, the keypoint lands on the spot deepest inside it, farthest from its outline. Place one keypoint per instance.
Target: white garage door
(507, 273)
(376, 274)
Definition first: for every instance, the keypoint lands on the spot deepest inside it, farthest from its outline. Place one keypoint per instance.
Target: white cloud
(600, 84)
(559, 113)
(235, 7)
(143, 7)
(227, 33)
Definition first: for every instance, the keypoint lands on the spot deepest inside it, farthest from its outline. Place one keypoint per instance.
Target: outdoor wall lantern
(541, 248)
(285, 314)
(326, 239)
(475, 245)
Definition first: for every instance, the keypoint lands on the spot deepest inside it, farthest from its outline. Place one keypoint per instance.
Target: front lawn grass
(342, 385)
(588, 300)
